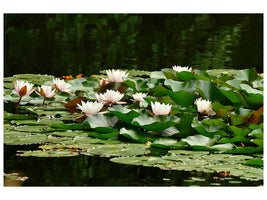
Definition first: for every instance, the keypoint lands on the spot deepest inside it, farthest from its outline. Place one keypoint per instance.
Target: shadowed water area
(62, 44)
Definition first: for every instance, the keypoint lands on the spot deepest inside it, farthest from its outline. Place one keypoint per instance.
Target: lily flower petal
(161, 109)
(46, 91)
(116, 75)
(23, 88)
(139, 96)
(204, 107)
(180, 68)
(90, 108)
(61, 85)
(110, 97)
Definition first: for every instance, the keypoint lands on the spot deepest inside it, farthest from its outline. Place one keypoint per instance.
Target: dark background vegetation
(62, 44)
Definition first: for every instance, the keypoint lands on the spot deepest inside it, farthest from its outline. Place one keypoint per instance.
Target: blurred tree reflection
(62, 44)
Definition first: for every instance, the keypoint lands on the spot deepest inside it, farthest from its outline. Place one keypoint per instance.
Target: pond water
(63, 44)
(99, 171)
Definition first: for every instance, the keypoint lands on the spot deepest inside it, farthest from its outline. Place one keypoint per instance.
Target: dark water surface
(99, 171)
(62, 44)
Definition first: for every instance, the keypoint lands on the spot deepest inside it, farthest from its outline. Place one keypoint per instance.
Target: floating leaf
(168, 143)
(19, 138)
(102, 123)
(239, 131)
(121, 150)
(73, 126)
(155, 123)
(255, 162)
(234, 139)
(103, 136)
(237, 119)
(137, 136)
(200, 142)
(123, 113)
(179, 85)
(48, 153)
(182, 98)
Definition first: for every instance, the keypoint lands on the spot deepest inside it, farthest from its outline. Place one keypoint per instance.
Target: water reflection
(61, 44)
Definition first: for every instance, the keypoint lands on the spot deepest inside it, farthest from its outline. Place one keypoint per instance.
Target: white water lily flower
(161, 109)
(139, 96)
(90, 108)
(116, 75)
(110, 97)
(61, 85)
(180, 68)
(204, 106)
(23, 88)
(46, 91)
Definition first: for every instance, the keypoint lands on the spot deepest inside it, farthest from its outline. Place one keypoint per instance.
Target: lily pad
(102, 123)
(200, 142)
(121, 150)
(137, 136)
(168, 143)
(155, 123)
(123, 113)
(48, 153)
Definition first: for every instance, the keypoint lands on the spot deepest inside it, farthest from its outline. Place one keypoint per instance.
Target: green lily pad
(70, 133)
(48, 153)
(103, 136)
(121, 150)
(18, 116)
(137, 84)
(18, 138)
(36, 129)
(102, 123)
(255, 162)
(155, 123)
(176, 86)
(182, 98)
(137, 136)
(123, 113)
(168, 143)
(209, 128)
(233, 139)
(200, 142)
(74, 126)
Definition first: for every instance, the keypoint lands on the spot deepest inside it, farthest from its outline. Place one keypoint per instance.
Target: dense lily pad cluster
(172, 109)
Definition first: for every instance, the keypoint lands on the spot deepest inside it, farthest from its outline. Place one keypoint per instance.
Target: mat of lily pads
(230, 141)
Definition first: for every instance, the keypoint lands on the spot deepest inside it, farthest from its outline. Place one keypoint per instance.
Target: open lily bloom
(46, 91)
(90, 108)
(23, 88)
(139, 97)
(204, 107)
(180, 68)
(61, 85)
(161, 109)
(116, 75)
(110, 97)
